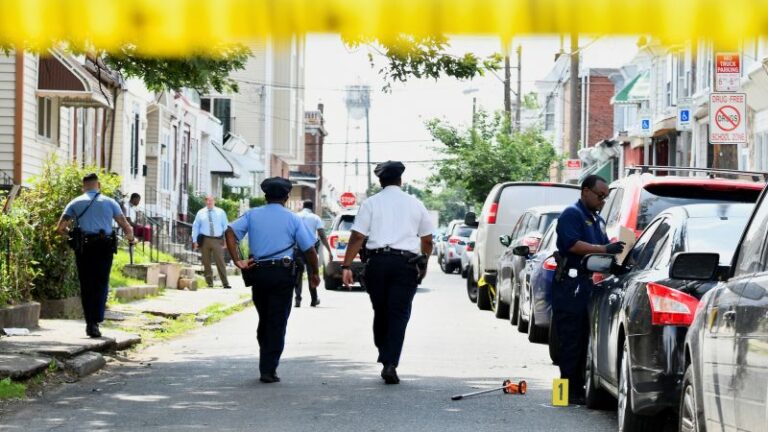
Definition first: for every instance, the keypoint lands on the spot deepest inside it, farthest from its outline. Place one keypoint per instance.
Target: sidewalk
(126, 325)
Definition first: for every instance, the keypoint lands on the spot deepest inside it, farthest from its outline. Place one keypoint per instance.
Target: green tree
(409, 56)
(450, 201)
(476, 159)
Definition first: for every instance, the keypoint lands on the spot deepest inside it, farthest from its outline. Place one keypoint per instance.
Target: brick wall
(600, 120)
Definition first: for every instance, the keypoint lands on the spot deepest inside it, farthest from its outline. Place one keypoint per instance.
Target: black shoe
(389, 373)
(92, 330)
(227, 287)
(297, 303)
(315, 302)
(269, 378)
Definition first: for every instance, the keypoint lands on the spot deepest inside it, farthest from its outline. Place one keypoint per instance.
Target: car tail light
(470, 247)
(492, 213)
(532, 243)
(597, 277)
(549, 264)
(670, 306)
(332, 240)
(453, 240)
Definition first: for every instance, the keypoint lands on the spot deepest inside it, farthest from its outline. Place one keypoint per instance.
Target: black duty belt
(280, 262)
(217, 238)
(390, 251)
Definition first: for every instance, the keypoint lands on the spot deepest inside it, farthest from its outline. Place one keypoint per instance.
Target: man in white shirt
(398, 229)
(132, 215)
(208, 235)
(315, 226)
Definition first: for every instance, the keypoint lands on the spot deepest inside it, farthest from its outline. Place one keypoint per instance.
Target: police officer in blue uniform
(580, 231)
(397, 231)
(270, 269)
(87, 220)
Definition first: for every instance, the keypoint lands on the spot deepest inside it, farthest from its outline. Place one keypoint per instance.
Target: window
(549, 115)
(222, 110)
(761, 151)
(165, 161)
(44, 117)
(634, 255)
(135, 145)
(753, 246)
(663, 254)
(616, 197)
(669, 81)
(642, 258)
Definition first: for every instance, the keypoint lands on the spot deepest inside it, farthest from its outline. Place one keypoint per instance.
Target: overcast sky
(397, 119)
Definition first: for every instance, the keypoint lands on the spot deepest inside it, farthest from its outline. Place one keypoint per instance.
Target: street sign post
(683, 115)
(347, 199)
(644, 120)
(727, 118)
(727, 72)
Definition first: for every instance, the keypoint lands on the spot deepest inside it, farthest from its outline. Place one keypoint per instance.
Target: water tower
(358, 101)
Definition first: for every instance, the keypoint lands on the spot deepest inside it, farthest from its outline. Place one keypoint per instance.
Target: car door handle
(729, 315)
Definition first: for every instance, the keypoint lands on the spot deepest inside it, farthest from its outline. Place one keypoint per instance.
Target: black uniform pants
(570, 315)
(391, 282)
(272, 291)
(94, 263)
(301, 267)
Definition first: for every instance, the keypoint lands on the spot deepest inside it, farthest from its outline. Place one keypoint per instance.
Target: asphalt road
(330, 381)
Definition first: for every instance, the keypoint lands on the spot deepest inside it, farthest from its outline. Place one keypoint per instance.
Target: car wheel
(332, 283)
(536, 334)
(596, 397)
(501, 309)
(471, 286)
(483, 297)
(691, 416)
(554, 343)
(445, 266)
(628, 420)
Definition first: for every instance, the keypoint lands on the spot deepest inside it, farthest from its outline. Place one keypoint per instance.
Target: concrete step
(136, 292)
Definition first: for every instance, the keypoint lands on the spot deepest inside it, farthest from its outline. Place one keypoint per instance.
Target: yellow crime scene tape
(181, 27)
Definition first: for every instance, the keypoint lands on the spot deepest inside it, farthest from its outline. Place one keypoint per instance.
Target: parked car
(725, 384)
(441, 245)
(637, 198)
(502, 208)
(536, 292)
(454, 247)
(639, 316)
(338, 239)
(528, 231)
(466, 255)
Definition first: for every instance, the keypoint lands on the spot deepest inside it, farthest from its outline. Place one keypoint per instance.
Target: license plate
(341, 245)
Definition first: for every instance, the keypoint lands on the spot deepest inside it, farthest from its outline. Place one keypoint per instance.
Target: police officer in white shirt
(398, 230)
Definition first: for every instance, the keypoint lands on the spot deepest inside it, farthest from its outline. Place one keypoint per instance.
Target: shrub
(230, 206)
(45, 201)
(17, 264)
(256, 202)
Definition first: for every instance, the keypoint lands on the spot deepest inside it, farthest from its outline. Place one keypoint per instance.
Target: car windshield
(546, 220)
(715, 235)
(346, 222)
(657, 198)
(463, 231)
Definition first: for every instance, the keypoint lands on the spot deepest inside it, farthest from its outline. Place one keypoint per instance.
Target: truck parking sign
(727, 122)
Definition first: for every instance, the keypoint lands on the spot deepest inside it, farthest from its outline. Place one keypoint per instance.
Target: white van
(504, 205)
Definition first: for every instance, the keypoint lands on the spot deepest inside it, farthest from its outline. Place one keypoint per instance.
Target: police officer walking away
(88, 221)
(398, 230)
(580, 232)
(208, 235)
(315, 226)
(270, 268)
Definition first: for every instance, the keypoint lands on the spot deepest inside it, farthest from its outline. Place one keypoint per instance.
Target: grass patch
(12, 390)
(122, 258)
(217, 311)
(171, 328)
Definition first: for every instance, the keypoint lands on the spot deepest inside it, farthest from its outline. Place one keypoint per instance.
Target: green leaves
(478, 158)
(409, 56)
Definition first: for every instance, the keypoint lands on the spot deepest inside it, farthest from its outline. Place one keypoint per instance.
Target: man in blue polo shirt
(580, 232)
(270, 269)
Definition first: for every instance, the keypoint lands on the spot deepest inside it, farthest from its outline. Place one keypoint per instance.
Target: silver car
(466, 256)
(453, 248)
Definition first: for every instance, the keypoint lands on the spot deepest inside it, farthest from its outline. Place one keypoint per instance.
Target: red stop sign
(347, 199)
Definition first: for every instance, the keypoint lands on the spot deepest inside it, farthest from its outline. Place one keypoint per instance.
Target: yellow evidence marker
(560, 392)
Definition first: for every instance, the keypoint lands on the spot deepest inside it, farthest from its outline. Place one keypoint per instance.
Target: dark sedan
(639, 316)
(535, 296)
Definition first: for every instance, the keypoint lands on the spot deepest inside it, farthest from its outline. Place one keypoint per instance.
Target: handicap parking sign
(646, 124)
(685, 115)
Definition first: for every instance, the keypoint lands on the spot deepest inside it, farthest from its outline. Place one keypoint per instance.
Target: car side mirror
(505, 240)
(694, 266)
(445, 237)
(470, 219)
(599, 263)
(522, 251)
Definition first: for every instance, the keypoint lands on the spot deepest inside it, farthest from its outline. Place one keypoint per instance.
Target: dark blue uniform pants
(301, 267)
(94, 263)
(391, 282)
(571, 318)
(272, 293)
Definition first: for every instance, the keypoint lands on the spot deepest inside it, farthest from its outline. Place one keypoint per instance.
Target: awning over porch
(638, 89)
(221, 163)
(61, 76)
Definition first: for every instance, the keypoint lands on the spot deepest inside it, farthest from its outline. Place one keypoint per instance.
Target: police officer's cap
(389, 169)
(90, 178)
(276, 187)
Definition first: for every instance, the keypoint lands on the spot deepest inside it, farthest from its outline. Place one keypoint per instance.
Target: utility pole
(573, 133)
(368, 147)
(507, 93)
(518, 125)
